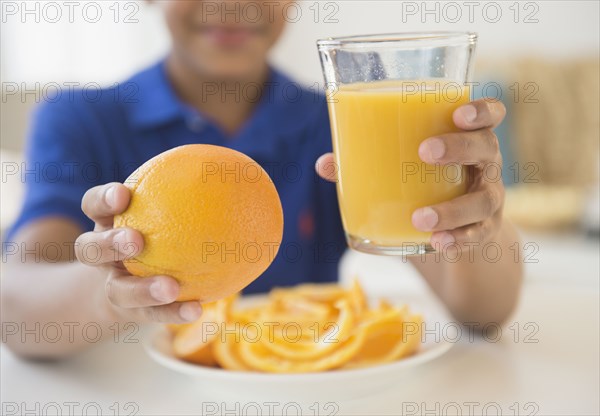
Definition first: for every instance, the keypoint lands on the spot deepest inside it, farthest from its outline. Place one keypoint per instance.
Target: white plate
(307, 387)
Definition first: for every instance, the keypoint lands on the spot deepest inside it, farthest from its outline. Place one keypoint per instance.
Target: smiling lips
(230, 36)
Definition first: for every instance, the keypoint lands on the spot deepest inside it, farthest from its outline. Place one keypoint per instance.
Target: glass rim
(385, 39)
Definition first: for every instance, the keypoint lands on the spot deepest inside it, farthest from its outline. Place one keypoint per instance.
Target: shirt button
(195, 124)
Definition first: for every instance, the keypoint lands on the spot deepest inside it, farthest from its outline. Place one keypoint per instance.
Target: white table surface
(557, 375)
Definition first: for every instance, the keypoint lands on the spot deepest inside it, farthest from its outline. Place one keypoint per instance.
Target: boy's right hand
(141, 299)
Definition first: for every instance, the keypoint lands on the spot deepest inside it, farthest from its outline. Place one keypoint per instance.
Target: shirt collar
(154, 103)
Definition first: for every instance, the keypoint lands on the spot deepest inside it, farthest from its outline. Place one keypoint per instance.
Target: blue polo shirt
(88, 137)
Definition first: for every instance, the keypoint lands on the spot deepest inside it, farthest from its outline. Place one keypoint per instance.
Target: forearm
(483, 284)
(51, 310)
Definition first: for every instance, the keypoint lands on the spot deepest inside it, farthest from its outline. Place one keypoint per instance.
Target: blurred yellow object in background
(553, 138)
(544, 206)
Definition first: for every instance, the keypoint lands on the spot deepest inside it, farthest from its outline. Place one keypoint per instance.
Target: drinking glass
(386, 94)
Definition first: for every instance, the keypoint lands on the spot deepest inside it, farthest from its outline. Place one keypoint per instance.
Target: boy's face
(224, 39)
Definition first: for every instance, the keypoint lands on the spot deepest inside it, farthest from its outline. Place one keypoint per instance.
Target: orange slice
(192, 342)
(174, 328)
(246, 316)
(315, 344)
(258, 357)
(226, 349)
(308, 328)
(325, 293)
(358, 298)
(389, 341)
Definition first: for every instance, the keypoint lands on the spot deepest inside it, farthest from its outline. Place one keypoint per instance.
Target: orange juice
(377, 128)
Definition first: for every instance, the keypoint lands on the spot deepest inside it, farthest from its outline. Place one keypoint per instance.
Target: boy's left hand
(476, 216)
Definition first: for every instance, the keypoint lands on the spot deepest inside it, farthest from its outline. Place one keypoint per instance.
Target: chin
(234, 68)
(231, 69)
(238, 62)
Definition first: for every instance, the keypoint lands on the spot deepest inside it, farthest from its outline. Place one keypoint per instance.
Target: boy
(104, 140)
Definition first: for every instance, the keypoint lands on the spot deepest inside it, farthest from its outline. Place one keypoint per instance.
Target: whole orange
(210, 216)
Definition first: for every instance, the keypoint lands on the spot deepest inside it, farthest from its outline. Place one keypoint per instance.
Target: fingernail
(190, 311)
(468, 113)
(160, 293)
(446, 239)
(432, 149)
(425, 219)
(109, 197)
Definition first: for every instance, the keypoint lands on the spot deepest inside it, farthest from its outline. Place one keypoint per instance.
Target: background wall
(116, 46)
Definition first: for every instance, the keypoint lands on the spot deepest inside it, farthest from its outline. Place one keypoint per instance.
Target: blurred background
(541, 58)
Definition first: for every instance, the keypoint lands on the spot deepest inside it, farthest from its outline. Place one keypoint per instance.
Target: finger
(175, 313)
(102, 203)
(479, 114)
(480, 232)
(95, 248)
(326, 167)
(126, 291)
(465, 148)
(463, 210)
